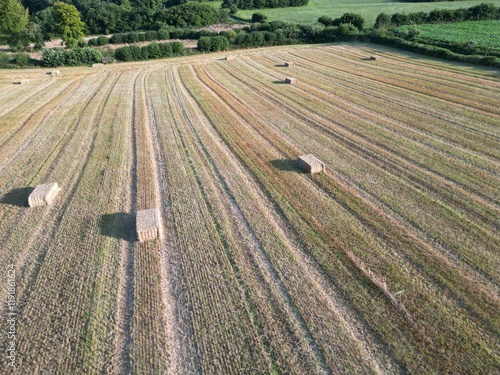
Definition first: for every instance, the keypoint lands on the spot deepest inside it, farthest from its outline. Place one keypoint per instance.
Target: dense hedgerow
(151, 51)
(260, 4)
(213, 43)
(70, 57)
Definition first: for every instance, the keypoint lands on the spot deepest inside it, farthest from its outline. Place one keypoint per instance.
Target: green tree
(354, 19)
(14, 19)
(69, 23)
(259, 17)
(383, 20)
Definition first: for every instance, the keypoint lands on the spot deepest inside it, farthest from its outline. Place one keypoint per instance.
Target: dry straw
(148, 224)
(43, 194)
(310, 164)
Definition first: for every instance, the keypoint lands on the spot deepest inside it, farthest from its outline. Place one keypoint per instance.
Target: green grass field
(369, 9)
(483, 33)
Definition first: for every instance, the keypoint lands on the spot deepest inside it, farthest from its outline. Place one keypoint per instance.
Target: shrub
(354, 19)
(163, 34)
(151, 35)
(166, 49)
(154, 51)
(22, 59)
(92, 42)
(383, 20)
(123, 54)
(102, 40)
(325, 20)
(4, 60)
(116, 39)
(53, 57)
(177, 49)
(259, 17)
(213, 44)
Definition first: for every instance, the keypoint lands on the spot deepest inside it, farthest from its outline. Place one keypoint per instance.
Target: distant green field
(369, 9)
(484, 33)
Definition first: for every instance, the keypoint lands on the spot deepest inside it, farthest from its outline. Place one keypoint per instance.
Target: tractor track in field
(417, 233)
(369, 153)
(335, 302)
(400, 172)
(122, 361)
(158, 164)
(33, 94)
(68, 136)
(392, 100)
(383, 162)
(47, 111)
(425, 78)
(408, 88)
(56, 213)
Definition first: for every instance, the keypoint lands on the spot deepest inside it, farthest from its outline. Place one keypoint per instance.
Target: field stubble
(385, 263)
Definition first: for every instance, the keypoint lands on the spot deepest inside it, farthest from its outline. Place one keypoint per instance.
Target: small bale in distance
(375, 57)
(54, 73)
(98, 65)
(148, 224)
(291, 80)
(289, 64)
(310, 164)
(22, 82)
(230, 57)
(43, 194)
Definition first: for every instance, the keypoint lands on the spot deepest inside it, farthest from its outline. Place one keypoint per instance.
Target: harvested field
(386, 262)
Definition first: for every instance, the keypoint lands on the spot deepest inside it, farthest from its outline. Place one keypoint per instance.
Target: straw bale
(310, 163)
(54, 73)
(22, 82)
(43, 194)
(375, 57)
(148, 224)
(289, 64)
(230, 57)
(291, 80)
(98, 65)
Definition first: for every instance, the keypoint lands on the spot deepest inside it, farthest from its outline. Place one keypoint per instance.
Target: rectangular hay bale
(291, 80)
(43, 194)
(310, 164)
(22, 82)
(54, 73)
(98, 65)
(289, 64)
(375, 57)
(230, 57)
(148, 224)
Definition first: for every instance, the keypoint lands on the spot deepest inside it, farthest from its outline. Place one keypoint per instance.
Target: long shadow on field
(279, 82)
(17, 197)
(120, 225)
(285, 165)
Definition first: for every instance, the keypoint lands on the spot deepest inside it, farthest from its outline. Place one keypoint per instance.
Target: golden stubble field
(386, 263)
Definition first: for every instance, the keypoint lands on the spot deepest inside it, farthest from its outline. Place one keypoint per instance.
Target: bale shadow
(17, 197)
(286, 165)
(280, 66)
(279, 82)
(119, 225)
